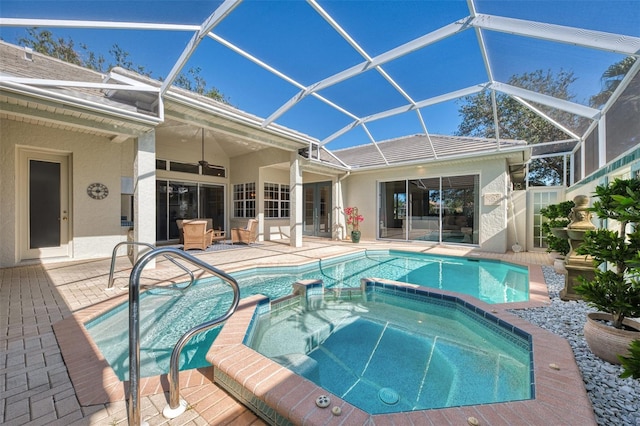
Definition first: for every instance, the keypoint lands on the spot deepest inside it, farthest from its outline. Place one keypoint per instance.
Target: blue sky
(293, 38)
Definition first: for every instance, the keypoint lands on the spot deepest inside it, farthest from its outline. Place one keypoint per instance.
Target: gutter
(441, 160)
(83, 103)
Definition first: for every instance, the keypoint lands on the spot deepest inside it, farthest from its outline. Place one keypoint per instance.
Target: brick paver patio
(35, 385)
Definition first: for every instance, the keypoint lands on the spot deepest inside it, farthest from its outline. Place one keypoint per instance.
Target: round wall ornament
(97, 191)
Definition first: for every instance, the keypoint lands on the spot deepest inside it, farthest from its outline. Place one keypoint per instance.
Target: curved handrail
(152, 247)
(134, 330)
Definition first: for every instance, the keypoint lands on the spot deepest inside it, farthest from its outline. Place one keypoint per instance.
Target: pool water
(166, 315)
(387, 354)
(487, 280)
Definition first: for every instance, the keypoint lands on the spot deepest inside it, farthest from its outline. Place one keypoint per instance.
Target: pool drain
(388, 396)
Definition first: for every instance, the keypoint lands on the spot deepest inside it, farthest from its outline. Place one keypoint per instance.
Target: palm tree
(611, 79)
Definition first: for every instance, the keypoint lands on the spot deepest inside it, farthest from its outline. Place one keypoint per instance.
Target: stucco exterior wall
(517, 219)
(94, 224)
(190, 151)
(360, 189)
(274, 228)
(258, 167)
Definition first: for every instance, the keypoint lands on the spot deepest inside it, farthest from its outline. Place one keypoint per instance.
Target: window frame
(244, 200)
(277, 200)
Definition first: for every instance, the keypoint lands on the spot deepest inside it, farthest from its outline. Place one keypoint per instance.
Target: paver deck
(35, 381)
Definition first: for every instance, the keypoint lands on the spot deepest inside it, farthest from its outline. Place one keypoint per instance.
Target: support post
(144, 192)
(295, 212)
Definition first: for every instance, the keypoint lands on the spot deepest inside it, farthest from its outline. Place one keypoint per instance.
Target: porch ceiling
(233, 144)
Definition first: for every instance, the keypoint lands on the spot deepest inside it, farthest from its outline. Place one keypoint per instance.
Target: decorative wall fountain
(577, 265)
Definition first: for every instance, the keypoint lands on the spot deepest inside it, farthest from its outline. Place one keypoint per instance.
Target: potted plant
(555, 230)
(615, 288)
(353, 220)
(557, 216)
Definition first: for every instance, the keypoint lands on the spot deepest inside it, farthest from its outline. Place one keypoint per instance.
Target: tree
(515, 121)
(194, 82)
(611, 79)
(43, 41)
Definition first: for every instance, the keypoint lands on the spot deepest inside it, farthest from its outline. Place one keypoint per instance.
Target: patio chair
(246, 235)
(196, 235)
(180, 223)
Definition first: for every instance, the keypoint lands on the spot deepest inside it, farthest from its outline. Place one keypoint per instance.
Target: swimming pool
(384, 350)
(166, 315)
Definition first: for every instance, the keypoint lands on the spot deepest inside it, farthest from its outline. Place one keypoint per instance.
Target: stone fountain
(577, 265)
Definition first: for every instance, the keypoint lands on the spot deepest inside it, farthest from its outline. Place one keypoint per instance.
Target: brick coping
(95, 382)
(560, 396)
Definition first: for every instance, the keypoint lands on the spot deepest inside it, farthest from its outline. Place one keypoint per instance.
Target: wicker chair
(246, 235)
(196, 235)
(180, 223)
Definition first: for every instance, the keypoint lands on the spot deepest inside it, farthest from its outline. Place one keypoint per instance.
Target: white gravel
(615, 401)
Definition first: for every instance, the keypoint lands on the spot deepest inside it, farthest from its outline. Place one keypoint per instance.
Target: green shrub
(557, 216)
(615, 290)
(631, 363)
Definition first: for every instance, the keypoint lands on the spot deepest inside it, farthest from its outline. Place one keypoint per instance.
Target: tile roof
(421, 148)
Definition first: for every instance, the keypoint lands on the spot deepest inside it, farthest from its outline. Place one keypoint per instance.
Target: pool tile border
(561, 396)
(92, 377)
(286, 398)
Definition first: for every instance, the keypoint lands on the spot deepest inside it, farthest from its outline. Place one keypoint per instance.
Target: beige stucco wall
(94, 224)
(273, 228)
(190, 150)
(259, 167)
(360, 189)
(517, 220)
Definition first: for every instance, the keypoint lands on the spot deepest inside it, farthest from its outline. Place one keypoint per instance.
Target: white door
(44, 214)
(538, 198)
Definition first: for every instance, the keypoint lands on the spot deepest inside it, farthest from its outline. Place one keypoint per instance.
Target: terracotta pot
(608, 342)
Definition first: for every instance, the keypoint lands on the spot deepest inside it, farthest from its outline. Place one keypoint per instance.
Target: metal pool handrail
(175, 407)
(152, 247)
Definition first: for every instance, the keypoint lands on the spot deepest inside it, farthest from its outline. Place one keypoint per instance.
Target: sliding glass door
(424, 199)
(186, 200)
(460, 210)
(438, 209)
(393, 210)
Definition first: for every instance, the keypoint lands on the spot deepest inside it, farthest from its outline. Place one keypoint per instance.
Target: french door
(44, 205)
(317, 209)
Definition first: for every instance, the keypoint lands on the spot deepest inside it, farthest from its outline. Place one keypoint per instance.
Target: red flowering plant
(353, 218)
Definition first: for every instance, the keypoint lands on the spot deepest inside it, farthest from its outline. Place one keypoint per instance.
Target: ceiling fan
(207, 168)
(204, 163)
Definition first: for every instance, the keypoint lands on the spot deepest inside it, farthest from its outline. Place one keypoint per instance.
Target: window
(217, 171)
(196, 169)
(244, 199)
(276, 200)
